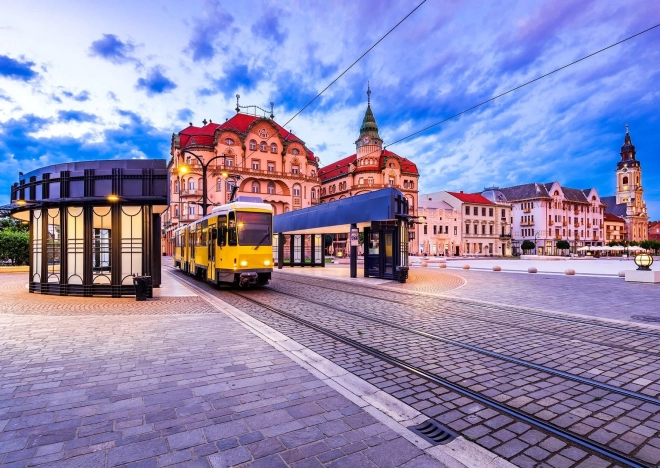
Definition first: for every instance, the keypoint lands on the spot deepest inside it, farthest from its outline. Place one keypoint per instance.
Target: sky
(83, 80)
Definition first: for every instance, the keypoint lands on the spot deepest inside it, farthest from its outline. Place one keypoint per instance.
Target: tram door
(213, 236)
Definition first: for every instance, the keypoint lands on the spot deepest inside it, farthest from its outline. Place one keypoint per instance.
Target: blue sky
(96, 80)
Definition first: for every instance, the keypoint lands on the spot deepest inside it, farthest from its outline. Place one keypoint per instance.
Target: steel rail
(480, 319)
(593, 446)
(512, 309)
(477, 349)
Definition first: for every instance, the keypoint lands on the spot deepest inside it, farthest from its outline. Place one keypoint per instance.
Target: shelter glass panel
(75, 245)
(275, 249)
(101, 245)
(318, 247)
(53, 245)
(297, 248)
(131, 243)
(37, 226)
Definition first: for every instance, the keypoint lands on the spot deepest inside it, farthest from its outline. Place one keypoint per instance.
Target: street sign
(355, 237)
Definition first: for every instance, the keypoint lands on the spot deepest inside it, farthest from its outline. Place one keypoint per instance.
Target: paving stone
(133, 452)
(229, 457)
(393, 453)
(301, 437)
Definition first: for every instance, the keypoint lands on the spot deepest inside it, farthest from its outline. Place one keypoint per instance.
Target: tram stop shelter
(93, 225)
(382, 216)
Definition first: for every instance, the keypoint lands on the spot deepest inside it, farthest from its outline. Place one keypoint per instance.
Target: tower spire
(369, 96)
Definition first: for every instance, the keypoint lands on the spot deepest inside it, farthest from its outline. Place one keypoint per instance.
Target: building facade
(546, 213)
(615, 228)
(256, 154)
(628, 202)
(654, 231)
(441, 233)
(484, 223)
(370, 168)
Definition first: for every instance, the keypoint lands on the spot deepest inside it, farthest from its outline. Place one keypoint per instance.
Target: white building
(484, 224)
(546, 213)
(441, 235)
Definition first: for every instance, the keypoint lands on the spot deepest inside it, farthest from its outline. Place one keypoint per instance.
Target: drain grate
(432, 431)
(646, 318)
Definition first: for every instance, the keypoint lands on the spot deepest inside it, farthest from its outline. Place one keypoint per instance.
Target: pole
(205, 203)
(353, 253)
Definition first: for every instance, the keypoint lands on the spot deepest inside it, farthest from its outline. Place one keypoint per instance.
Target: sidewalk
(90, 386)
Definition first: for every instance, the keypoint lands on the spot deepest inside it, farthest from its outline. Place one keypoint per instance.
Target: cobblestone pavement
(82, 385)
(610, 298)
(628, 425)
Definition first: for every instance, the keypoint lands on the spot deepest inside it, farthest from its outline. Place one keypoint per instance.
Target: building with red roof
(269, 162)
(371, 168)
(654, 230)
(615, 228)
(483, 226)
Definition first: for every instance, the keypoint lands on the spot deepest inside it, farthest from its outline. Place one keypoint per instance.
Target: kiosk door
(388, 254)
(373, 254)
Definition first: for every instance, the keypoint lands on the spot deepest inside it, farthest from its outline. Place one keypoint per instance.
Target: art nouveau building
(484, 222)
(546, 213)
(262, 157)
(628, 202)
(370, 168)
(441, 234)
(615, 228)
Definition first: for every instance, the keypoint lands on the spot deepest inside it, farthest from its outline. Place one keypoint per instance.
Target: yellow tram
(232, 245)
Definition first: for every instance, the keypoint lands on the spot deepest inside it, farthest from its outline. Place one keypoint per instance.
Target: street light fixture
(643, 261)
(205, 203)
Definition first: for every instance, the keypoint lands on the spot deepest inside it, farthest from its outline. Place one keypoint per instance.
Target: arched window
(286, 209)
(295, 151)
(273, 148)
(271, 188)
(176, 211)
(296, 190)
(229, 141)
(200, 183)
(191, 184)
(313, 173)
(411, 185)
(405, 184)
(218, 185)
(360, 181)
(176, 186)
(625, 180)
(313, 192)
(262, 146)
(253, 145)
(255, 187)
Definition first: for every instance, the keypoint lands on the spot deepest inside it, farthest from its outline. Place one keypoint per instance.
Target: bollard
(622, 274)
(424, 264)
(531, 270)
(570, 272)
(497, 268)
(466, 267)
(443, 265)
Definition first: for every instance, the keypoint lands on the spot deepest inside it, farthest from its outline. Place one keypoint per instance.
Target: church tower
(628, 173)
(629, 191)
(369, 144)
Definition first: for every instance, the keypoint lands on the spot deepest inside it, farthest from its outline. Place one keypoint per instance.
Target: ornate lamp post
(205, 203)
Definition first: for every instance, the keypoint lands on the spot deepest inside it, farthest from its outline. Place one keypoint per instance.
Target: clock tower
(369, 144)
(628, 174)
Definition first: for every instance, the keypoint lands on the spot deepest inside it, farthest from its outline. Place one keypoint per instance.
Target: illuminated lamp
(643, 261)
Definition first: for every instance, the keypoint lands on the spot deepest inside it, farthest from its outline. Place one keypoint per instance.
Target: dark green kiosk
(382, 215)
(94, 225)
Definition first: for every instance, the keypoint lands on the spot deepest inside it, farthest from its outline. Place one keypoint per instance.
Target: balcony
(564, 223)
(527, 210)
(576, 224)
(527, 223)
(588, 224)
(190, 193)
(550, 223)
(188, 218)
(505, 236)
(315, 201)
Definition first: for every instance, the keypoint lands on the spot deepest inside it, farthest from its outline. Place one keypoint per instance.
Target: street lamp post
(537, 234)
(204, 202)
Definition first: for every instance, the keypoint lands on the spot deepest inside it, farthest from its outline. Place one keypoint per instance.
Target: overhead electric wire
(521, 86)
(353, 64)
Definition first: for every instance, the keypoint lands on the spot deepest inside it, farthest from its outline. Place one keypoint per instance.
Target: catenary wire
(353, 64)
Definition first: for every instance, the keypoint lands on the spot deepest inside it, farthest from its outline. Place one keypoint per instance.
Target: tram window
(222, 230)
(253, 228)
(231, 229)
(203, 233)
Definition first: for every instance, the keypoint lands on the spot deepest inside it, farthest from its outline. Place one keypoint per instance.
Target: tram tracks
(294, 324)
(489, 309)
(420, 371)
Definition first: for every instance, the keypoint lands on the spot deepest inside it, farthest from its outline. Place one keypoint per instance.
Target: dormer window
(229, 141)
(295, 151)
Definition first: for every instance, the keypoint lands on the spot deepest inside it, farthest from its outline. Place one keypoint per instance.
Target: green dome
(369, 126)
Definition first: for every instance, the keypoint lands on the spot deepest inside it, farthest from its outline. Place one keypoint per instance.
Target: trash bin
(143, 287)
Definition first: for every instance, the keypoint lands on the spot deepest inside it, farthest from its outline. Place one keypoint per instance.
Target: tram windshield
(253, 228)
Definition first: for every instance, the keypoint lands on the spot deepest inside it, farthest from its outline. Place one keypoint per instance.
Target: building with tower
(371, 168)
(628, 202)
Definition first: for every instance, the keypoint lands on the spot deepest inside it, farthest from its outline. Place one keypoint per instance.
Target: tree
(15, 246)
(613, 243)
(13, 225)
(563, 245)
(527, 245)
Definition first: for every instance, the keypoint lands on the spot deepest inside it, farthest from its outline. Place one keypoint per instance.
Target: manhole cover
(432, 431)
(646, 318)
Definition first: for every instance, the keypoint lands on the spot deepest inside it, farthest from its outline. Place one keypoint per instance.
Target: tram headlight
(266, 262)
(243, 262)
